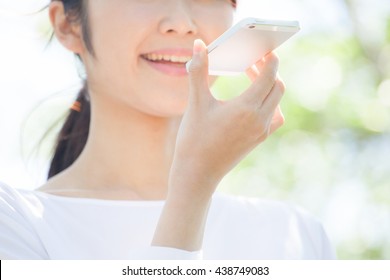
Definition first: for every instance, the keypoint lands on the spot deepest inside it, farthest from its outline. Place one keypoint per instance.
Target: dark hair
(73, 135)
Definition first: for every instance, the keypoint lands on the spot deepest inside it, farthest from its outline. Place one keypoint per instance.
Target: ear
(67, 32)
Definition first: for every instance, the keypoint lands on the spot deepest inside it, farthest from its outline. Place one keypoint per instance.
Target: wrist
(182, 221)
(190, 182)
(190, 191)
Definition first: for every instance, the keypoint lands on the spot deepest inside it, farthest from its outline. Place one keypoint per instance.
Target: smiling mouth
(167, 59)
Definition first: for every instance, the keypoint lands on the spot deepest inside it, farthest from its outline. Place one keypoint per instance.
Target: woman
(146, 144)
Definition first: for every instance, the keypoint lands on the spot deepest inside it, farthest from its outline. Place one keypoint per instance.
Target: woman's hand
(213, 137)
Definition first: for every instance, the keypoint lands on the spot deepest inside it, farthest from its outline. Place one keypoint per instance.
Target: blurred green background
(331, 157)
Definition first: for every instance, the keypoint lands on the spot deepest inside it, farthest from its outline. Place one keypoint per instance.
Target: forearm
(183, 219)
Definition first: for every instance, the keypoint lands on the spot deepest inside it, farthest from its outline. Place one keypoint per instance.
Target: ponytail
(74, 134)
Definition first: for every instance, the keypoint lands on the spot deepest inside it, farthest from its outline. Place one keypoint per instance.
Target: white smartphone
(247, 42)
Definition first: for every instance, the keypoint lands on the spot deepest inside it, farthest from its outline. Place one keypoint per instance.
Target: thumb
(197, 69)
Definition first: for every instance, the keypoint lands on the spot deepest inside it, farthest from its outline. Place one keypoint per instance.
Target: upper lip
(178, 55)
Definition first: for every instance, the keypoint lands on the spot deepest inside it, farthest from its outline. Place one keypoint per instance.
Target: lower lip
(167, 68)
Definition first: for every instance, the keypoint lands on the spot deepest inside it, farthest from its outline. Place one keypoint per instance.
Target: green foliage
(331, 156)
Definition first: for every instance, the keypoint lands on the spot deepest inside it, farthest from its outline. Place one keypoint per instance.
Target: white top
(36, 225)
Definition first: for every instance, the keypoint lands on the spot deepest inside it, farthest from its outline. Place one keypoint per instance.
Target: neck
(127, 151)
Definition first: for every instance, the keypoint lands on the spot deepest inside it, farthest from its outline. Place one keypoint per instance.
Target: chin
(174, 110)
(168, 108)
(174, 104)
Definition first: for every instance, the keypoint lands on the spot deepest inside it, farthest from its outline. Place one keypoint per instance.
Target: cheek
(117, 50)
(213, 22)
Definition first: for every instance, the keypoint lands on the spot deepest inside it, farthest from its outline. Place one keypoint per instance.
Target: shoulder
(18, 237)
(8, 198)
(276, 220)
(20, 201)
(274, 209)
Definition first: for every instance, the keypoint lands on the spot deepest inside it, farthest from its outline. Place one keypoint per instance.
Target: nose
(179, 19)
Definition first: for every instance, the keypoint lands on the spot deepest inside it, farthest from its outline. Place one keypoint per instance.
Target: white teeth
(175, 59)
(165, 57)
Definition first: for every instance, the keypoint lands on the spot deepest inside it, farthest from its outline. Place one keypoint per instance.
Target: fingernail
(197, 49)
(198, 46)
